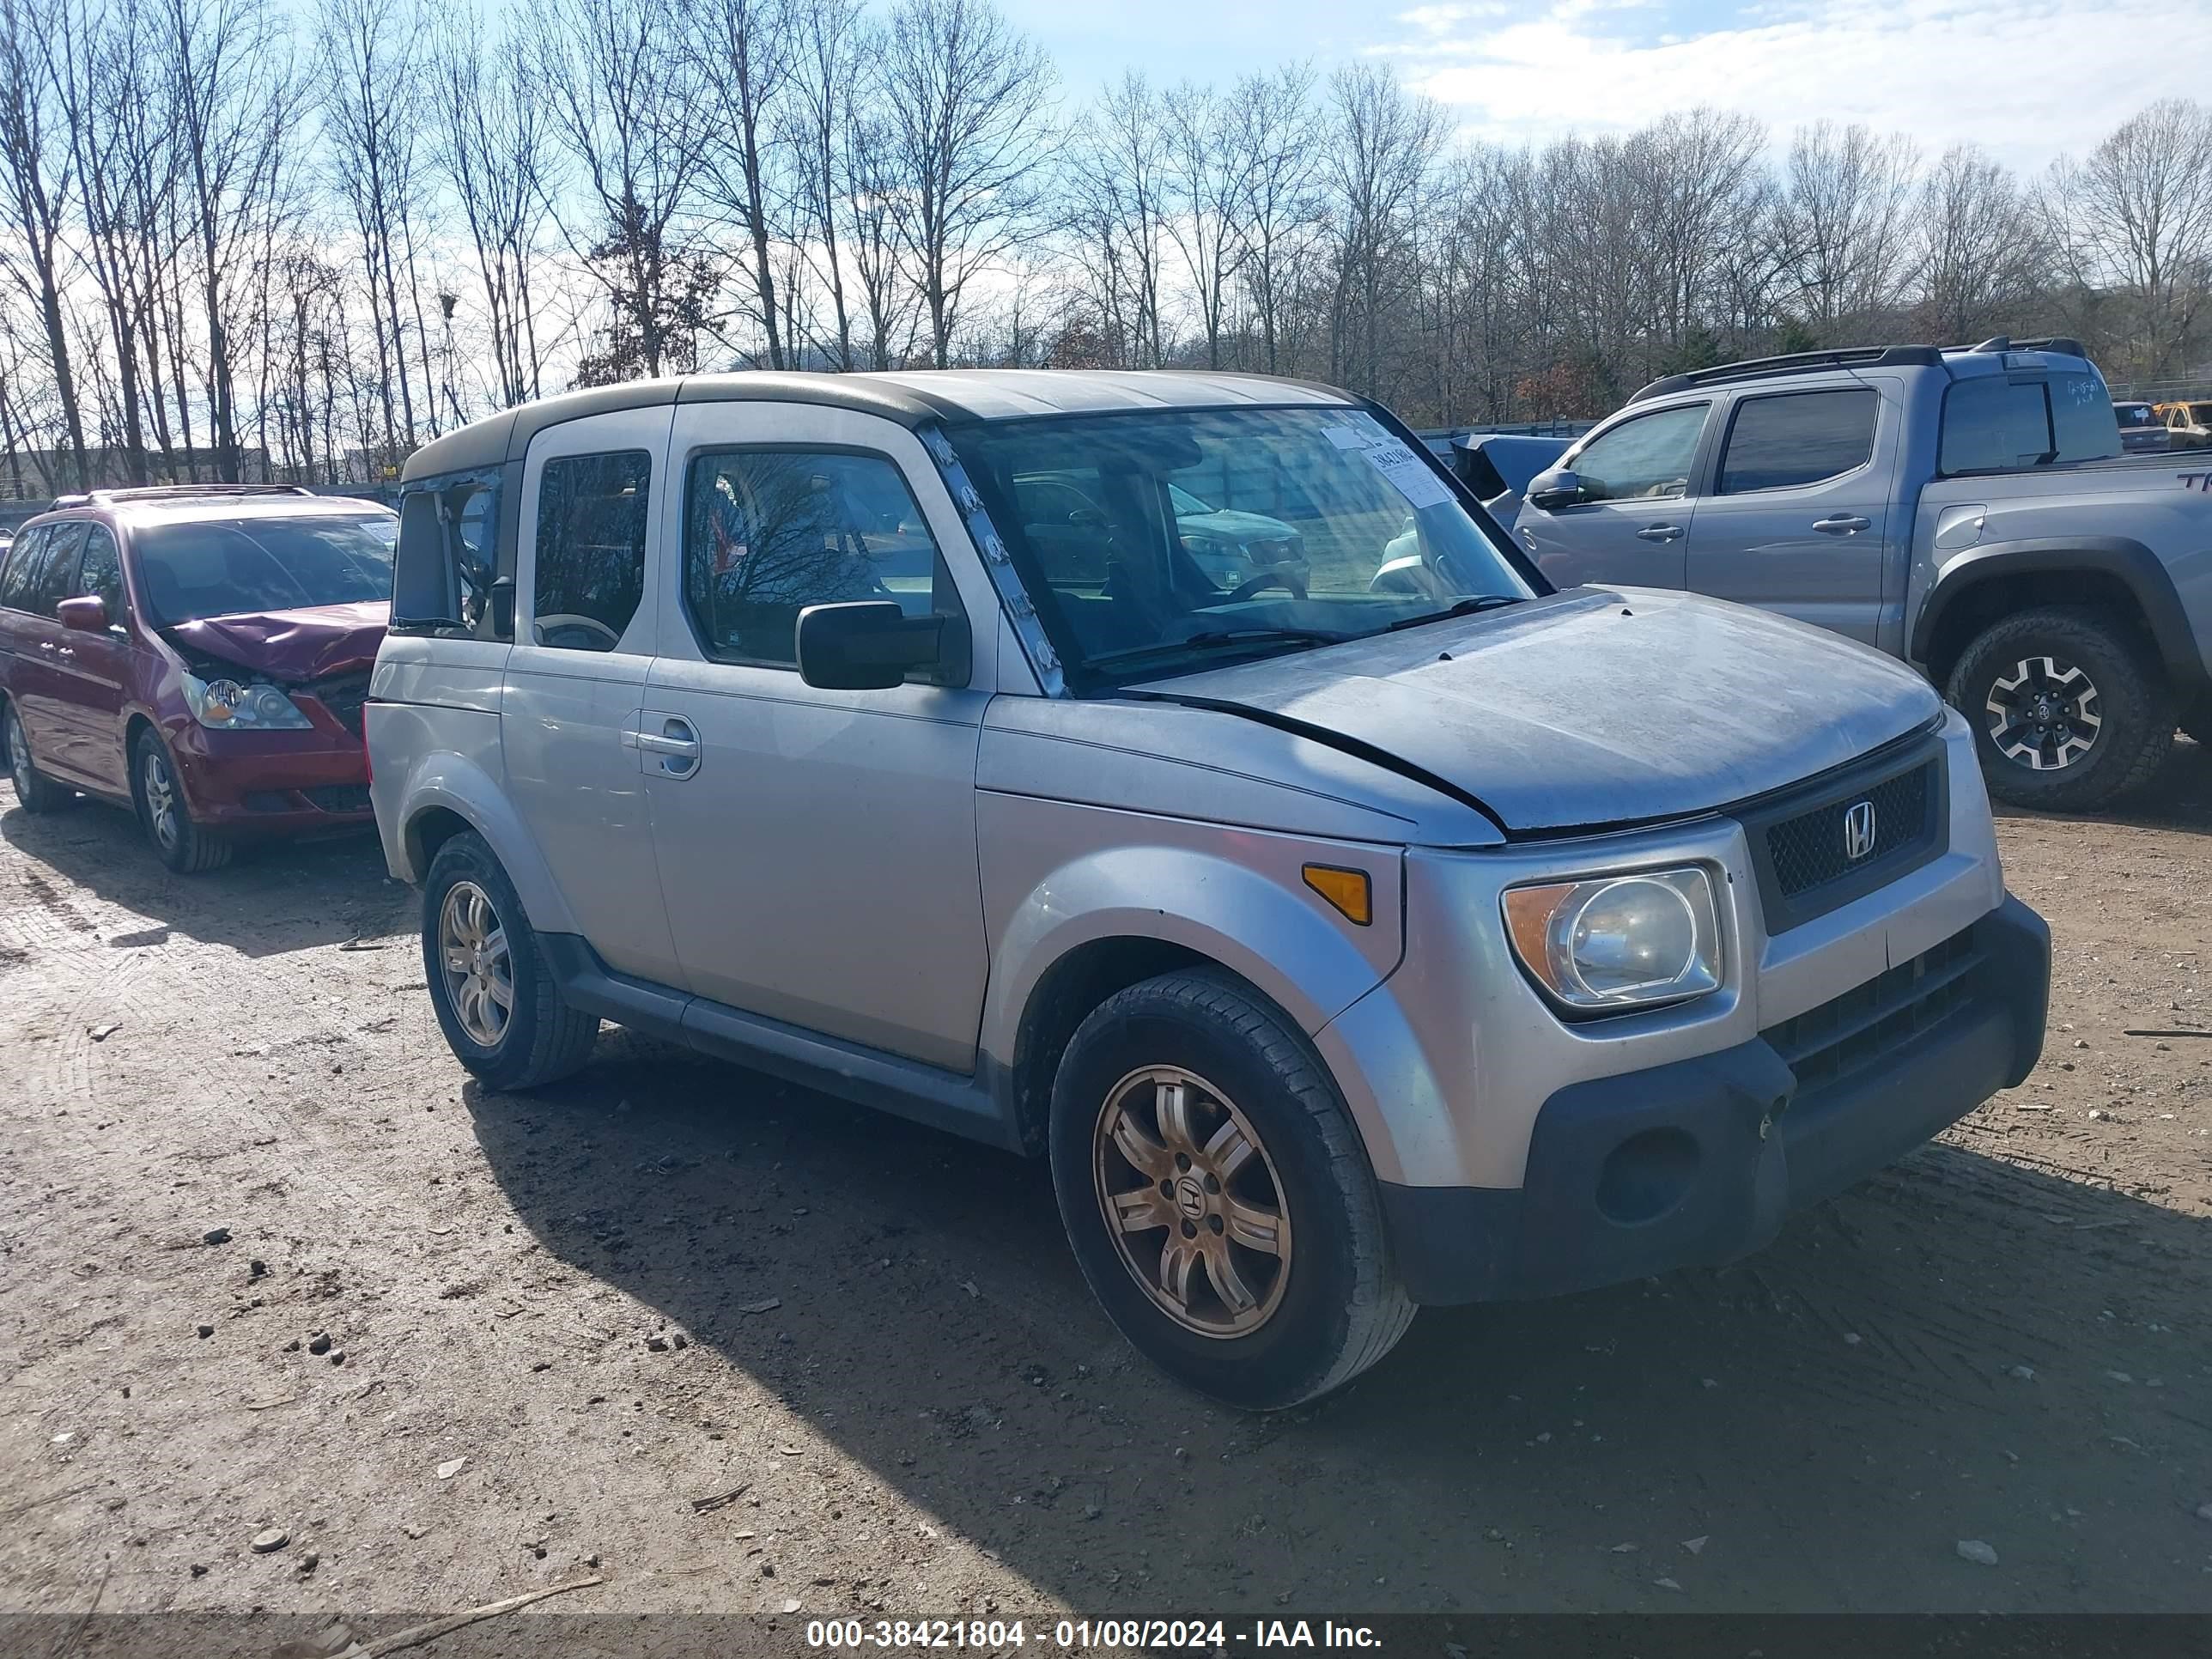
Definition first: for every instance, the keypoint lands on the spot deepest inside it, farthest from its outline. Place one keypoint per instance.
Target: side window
(2084, 425)
(592, 516)
(56, 574)
(1798, 438)
(100, 571)
(1645, 458)
(768, 532)
(23, 561)
(1992, 424)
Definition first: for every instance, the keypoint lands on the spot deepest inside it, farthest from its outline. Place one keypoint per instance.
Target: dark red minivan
(198, 653)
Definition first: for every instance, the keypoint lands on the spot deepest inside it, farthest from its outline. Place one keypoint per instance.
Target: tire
(1320, 1307)
(178, 842)
(2067, 664)
(536, 1038)
(35, 791)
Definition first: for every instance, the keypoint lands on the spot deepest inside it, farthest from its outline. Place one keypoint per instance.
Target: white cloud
(2025, 78)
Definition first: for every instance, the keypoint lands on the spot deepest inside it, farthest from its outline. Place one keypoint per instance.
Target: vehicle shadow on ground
(1928, 1359)
(2179, 796)
(274, 897)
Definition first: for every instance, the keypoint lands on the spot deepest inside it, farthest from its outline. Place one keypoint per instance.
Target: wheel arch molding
(446, 788)
(2045, 564)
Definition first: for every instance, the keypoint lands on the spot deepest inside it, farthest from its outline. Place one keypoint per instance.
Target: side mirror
(86, 614)
(871, 645)
(1554, 489)
(501, 600)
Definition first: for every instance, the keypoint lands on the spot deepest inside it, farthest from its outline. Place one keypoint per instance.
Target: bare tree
(38, 175)
(1270, 131)
(1982, 253)
(831, 38)
(745, 71)
(968, 113)
(1844, 222)
(1383, 143)
(1120, 211)
(1211, 190)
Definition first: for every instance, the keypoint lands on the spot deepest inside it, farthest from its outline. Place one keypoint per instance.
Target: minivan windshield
(1157, 542)
(227, 567)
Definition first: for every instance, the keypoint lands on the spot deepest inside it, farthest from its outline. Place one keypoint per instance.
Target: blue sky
(2025, 78)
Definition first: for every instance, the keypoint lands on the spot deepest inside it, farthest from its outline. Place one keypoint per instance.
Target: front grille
(1827, 1044)
(339, 797)
(1808, 851)
(343, 698)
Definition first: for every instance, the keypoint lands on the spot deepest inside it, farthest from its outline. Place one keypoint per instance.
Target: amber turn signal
(1349, 890)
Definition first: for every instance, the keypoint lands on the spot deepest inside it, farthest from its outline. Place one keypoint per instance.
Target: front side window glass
(590, 548)
(1647, 458)
(770, 532)
(1798, 438)
(1157, 542)
(234, 567)
(100, 572)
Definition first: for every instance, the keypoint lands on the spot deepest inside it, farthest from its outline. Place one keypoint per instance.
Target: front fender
(441, 777)
(1058, 877)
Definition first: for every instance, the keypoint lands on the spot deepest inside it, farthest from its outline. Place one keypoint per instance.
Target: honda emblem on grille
(1858, 831)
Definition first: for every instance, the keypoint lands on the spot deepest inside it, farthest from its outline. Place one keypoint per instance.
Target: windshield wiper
(1214, 637)
(1464, 608)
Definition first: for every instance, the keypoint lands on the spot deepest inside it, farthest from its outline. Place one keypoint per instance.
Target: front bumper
(1700, 1161)
(272, 782)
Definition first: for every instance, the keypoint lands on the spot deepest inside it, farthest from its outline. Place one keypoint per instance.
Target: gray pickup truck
(1967, 510)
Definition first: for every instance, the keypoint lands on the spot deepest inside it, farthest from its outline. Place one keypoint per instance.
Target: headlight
(226, 706)
(1615, 943)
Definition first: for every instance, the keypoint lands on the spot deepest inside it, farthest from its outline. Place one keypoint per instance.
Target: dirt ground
(564, 1321)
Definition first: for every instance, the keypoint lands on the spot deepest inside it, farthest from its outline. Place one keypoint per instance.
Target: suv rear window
(1798, 438)
(229, 567)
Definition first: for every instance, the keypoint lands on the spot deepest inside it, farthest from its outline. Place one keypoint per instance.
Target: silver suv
(1368, 929)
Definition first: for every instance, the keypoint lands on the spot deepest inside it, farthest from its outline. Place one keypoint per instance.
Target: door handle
(677, 743)
(1660, 533)
(67, 652)
(45, 645)
(1846, 524)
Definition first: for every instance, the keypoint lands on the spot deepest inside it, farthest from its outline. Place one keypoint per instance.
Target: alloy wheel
(160, 798)
(2043, 714)
(1192, 1201)
(472, 951)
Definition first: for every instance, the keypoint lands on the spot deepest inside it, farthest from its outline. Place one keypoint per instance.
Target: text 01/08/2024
(1079, 1634)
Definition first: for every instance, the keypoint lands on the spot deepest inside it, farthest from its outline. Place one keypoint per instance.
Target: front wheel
(493, 990)
(2068, 713)
(182, 845)
(1217, 1197)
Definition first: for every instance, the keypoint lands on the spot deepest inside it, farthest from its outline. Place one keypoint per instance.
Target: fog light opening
(1646, 1175)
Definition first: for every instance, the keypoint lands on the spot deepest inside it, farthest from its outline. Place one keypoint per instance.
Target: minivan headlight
(1614, 943)
(224, 705)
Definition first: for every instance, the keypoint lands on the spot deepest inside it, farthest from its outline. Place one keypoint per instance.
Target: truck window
(1648, 457)
(590, 548)
(1994, 425)
(2081, 418)
(770, 532)
(1798, 438)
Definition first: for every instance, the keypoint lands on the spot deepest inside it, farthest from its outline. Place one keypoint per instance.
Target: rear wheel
(1217, 1197)
(2068, 712)
(493, 990)
(183, 845)
(34, 791)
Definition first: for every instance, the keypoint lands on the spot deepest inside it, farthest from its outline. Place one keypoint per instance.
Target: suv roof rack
(186, 492)
(2064, 344)
(1797, 362)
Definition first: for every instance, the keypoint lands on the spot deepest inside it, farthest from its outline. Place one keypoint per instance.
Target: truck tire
(1217, 1196)
(185, 847)
(2068, 710)
(35, 791)
(493, 990)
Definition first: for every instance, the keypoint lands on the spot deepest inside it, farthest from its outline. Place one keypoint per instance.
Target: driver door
(1632, 526)
(588, 564)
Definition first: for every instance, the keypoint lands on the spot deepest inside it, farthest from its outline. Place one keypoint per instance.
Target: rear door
(92, 670)
(39, 640)
(20, 665)
(1797, 515)
(587, 568)
(1632, 525)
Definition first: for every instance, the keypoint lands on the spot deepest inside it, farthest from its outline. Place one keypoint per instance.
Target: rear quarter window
(22, 560)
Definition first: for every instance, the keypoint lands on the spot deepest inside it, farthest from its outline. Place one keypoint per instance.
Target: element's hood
(1593, 706)
(306, 644)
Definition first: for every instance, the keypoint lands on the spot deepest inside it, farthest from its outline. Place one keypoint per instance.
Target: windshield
(225, 567)
(1161, 541)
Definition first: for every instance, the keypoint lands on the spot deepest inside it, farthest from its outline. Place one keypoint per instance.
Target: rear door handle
(1660, 533)
(677, 743)
(1848, 524)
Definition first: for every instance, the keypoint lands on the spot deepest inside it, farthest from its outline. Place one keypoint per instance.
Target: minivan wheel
(34, 791)
(2066, 715)
(1217, 1196)
(182, 844)
(493, 990)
